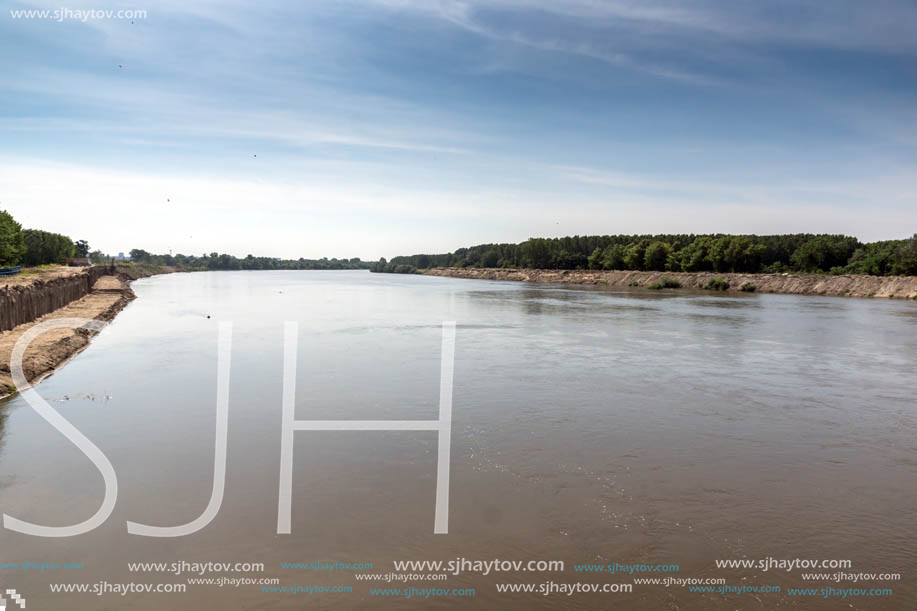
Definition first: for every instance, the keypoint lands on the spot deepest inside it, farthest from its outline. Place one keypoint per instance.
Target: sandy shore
(109, 295)
(901, 287)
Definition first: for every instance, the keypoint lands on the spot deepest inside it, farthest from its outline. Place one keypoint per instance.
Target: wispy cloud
(690, 42)
(894, 190)
(884, 24)
(404, 125)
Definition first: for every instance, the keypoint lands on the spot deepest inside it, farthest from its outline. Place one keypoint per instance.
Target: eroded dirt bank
(103, 299)
(26, 297)
(902, 287)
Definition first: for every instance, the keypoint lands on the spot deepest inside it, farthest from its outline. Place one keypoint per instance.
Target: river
(590, 426)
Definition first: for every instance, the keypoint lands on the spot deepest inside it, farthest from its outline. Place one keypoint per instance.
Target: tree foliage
(44, 247)
(824, 253)
(721, 253)
(222, 261)
(12, 243)
(893, 257)
(81, 248)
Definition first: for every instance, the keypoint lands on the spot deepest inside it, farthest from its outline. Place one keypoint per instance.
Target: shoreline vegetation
(224, 262)
(801, 253)
(801, 264)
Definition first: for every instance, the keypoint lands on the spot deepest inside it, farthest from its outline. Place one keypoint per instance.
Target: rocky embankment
(98, 293)
(901, 287)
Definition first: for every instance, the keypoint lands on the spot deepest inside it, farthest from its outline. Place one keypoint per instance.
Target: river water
(590, 426)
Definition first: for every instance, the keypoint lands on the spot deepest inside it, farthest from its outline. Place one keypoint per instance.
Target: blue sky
(397, 126)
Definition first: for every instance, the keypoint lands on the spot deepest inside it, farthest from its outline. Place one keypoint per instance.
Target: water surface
(590, 426)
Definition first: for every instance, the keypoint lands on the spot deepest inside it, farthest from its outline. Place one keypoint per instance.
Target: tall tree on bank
(81, 248)
(12, 244)
(44, 247)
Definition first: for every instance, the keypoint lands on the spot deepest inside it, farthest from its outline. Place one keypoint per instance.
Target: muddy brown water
(590, 426)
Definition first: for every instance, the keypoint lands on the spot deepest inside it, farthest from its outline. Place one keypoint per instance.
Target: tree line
(223, 262)
(33, 247)
(801, 252)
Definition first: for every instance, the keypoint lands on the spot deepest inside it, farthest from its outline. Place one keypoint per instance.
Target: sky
(387, 127)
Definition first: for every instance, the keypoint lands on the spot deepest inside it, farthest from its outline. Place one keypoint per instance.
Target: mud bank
(902, 287)
(107, 295)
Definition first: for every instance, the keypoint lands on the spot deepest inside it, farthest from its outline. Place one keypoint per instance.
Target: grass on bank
(38, 269)
(717, 284)
(665, 283)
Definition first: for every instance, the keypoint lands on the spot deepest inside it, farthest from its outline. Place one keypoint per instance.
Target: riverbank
(895, 287)
(107, 295)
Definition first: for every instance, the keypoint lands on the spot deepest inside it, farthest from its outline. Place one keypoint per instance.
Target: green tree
(378, 266)
(719, 254)
(490, 258)
(824, 252)
(536, 253)
(695, 257)
(139, 255)
(472, 258)
(906, 258)
(12, 243)
(635, 255)
(613, 257)
(735, 253)
(81, 248)
(44, 247)
(744, 254)
(656, 256)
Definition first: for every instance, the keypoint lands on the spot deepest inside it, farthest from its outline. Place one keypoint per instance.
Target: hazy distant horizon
(392, 127)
